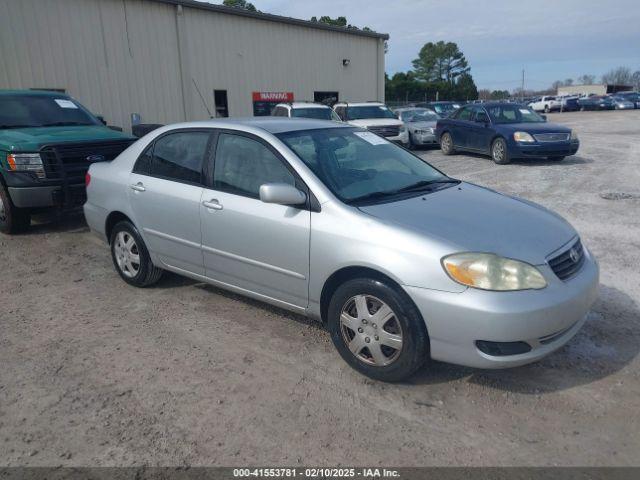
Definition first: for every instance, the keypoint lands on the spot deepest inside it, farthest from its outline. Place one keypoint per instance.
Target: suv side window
(179, 156)
(243, 164)
(465, 114)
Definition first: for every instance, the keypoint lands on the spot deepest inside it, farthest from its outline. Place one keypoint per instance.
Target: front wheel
(377, 330)
(131, 257)
(499, 152)
(12, 219)
(546, 109)
(446, 144)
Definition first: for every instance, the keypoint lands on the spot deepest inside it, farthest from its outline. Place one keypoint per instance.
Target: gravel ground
(94, 372)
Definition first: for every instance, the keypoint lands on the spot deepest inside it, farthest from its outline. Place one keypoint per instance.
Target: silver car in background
(420, 124)
(401, 262)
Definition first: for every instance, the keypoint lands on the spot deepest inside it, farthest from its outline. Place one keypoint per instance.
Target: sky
(550, 40)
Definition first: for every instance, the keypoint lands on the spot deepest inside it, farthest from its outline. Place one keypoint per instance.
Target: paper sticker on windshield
(372, 138)
(524, 110)
(62, 103)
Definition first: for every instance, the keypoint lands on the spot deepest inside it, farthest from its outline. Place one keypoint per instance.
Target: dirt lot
(94, 372)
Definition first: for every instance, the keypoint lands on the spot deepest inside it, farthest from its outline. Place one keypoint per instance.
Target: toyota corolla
(400, 261)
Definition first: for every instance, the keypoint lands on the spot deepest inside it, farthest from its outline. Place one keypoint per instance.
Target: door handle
(213, 204)
(138, 187)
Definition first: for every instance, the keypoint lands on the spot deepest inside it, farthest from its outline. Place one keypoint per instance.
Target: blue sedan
(505, 131)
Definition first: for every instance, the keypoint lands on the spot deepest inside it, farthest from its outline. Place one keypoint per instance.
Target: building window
(327, 98)
(221, 103)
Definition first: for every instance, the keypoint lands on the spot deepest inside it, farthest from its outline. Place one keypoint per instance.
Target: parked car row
(572, 103)
(329, 219)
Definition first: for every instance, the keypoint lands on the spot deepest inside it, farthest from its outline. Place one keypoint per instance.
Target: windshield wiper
(65, 124)
(416, 187)
(424, 184)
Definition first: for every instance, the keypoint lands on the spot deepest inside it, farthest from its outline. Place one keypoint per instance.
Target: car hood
(421, 125)
(373, 122)
(535, 127)
(31, 139)
(475, 219)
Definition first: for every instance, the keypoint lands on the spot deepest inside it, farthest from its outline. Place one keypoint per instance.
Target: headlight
(421, 132)
(26, 162)
(523, 137)
(574, 135)
(488, 271)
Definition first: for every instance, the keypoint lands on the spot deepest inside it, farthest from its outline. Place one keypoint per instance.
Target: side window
(340, 112)
(243, 164)
(143, 164)
(179, 156)
(465, 114)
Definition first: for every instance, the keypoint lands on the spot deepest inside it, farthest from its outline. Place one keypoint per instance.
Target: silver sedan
(420, 124)
(401, 262)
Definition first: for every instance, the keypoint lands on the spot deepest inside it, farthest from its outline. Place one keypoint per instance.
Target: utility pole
(522, 87)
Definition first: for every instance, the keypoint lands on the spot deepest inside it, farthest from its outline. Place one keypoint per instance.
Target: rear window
(318, 113)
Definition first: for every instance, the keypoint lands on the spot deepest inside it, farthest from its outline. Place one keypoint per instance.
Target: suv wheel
(446, 144)
(377, 330)
(546, 109)
(131, 257)
(12, 219)
(499, 152)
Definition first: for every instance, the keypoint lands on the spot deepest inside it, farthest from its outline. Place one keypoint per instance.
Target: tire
(127, 255)
(12, 219)
(582, 109)
(403, 328)
(547, 109)
(500, 152)
(556, 159)
(411, 145)
(446, 144)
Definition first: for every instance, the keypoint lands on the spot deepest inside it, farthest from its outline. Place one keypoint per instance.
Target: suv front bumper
(47, 196)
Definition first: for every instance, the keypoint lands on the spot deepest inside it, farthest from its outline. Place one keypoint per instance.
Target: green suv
(47, 142)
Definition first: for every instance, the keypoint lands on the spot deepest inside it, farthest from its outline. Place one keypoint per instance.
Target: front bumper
(425, 138)
(545, 319)
(48, 196)
(547, 149)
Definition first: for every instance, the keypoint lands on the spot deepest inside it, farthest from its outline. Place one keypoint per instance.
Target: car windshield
(419, 115)
(369, 111)
(444, 108)
(317, 113)
(20, 111)
(513, 114)
(360, 167)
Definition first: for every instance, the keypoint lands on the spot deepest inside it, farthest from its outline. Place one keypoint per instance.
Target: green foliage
(240, 4)
(499, 95)
(336, 22)
(440, 62)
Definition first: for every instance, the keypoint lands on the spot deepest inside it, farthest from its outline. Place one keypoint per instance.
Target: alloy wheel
(371, 330)
(127, 254)
(498, 151)
(446, 142)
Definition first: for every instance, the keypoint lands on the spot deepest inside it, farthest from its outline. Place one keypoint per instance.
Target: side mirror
(544, 117)
(281, 194)
(101, 118)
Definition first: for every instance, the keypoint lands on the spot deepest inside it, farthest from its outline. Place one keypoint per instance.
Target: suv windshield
(319, 113)
(360, 167)
(419, 115)
(369, 111)
(20, 111)
(513, 114)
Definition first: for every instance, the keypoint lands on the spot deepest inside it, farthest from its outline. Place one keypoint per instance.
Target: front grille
(568, 262)
(386, 130)
(70, 162)
(551, 137)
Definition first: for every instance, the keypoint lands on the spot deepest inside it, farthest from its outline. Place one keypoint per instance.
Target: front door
(165, 190)
(258, 247)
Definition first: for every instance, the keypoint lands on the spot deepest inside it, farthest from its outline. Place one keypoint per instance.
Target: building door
(327, 98)
(220, 100)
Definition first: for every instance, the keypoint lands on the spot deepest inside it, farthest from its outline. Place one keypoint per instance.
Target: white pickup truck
(545, 104)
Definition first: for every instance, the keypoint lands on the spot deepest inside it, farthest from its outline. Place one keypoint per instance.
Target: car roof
(269, 124)
(359, 104)
(39, 93)
(303, 105)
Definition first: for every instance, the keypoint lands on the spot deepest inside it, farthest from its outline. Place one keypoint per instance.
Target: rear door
(165, 191)
(462, 127)
(258, 247)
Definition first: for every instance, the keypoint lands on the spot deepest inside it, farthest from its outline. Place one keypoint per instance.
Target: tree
(586, 79)
(618, 76)
(500, 94)
(336, 22)
(555, 85)
(466, 88)
(568, 82)
(240, 4)
(636, 80)
(440, 62)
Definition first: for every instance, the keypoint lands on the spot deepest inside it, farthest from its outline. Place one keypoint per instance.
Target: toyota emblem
(574, 255)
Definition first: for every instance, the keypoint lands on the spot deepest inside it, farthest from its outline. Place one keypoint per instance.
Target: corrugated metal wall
(123, 56)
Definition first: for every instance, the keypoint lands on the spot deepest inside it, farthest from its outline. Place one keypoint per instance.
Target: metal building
(596, 89)
(176, 60)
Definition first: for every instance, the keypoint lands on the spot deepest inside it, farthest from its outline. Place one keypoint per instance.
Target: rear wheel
(411, 145)
(377, 329)
(499, 152)
(12, 219)
(446, 144)
(546, 109)
(131, 257)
